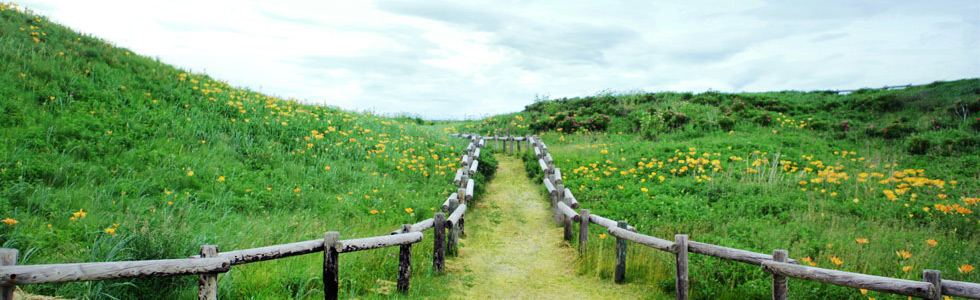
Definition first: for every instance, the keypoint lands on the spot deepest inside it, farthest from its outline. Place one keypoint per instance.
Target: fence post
(568, 228)
(779, 289)
(583, 232)
(439, 245)
(512, 141)
(451, 246)
(680, 240)
(496, 143)
(207, 284)
(559, 197)
(620, 275)
(934, 277)
(527, 140)
(519, 145)
(8, 257)
(404, 263)
(330, 268)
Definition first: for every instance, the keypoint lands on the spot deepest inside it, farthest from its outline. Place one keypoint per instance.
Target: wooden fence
(563, 203)
(210, 262)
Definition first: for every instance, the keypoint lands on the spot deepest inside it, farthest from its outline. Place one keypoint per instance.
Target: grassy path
(514, 251)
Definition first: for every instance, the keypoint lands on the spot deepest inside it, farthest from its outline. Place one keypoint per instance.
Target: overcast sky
(433, 58)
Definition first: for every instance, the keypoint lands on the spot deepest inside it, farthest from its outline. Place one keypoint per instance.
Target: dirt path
(514, 250)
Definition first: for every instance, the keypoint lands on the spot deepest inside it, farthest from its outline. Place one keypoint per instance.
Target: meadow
(882, 182)
(106, 155)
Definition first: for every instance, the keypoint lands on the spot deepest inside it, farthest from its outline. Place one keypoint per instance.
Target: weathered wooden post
(681, 282)
(8, 257)
(439, 246)
(512, 141)
(496, 144)
(404, 262)
(568, 228)
(779, 289)
(207, 284)
(519, 145)
(451, 246)
(620, 275)
(464, 179)
(527, 142)
(583, 232)
(330, 267)
(935, 278)
(559, 197)
(461, 200)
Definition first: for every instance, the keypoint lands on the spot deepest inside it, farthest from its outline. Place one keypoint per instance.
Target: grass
(107, 155)
(875, 182)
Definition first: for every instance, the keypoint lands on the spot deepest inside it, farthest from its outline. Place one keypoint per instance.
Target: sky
(443, 59)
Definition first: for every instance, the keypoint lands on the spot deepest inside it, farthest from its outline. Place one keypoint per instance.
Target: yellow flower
(861, 241)
(864, 291)
(602, 236)
(965, 269)
(327, 168)
(111, 230)
(10, 221)
(903, 254)
(221, 178)
(836, 260)
(80, 214)
(856, 200)
(906, 269)
(604, 151)
(374, 211)
(409, 210)
(190, 173)
(296, 190)
(932, 242)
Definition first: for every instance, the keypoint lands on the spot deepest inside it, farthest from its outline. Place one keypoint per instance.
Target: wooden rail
(781, 267)
(211, 262)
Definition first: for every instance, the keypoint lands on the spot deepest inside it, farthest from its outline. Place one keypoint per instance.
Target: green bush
(726, 123)
(917, 145)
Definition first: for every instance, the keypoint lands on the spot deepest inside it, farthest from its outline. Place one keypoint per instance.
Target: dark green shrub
(726, 123)
(917, 145)
(763, 120)
(975, 124)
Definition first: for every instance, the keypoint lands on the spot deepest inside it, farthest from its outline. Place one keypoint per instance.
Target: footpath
(514, 251)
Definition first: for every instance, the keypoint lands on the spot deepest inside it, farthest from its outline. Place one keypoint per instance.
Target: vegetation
(882, 182)
(107, 155)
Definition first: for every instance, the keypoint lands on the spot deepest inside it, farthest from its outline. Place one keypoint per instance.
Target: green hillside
(883, 182)
(109, 155)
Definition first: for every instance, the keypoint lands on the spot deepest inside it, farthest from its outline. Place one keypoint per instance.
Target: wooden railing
(778, 264)
(210, 262)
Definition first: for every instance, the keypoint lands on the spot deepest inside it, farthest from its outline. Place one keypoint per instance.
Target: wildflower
(374, 211)
(965, 269)
(861, 240)
(906, 269)
(221, 178)
(80, 214)
(856, 200)
(836, 260)
(603, 236)
(296, 190)
(932, 242)
(10, 221)
(111, 230)
(903, 254)
(190, 173)
(809, 261)
(327, 168)
(409, 210)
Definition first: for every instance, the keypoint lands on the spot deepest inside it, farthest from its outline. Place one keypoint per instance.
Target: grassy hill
(883, 182)
(108, 155)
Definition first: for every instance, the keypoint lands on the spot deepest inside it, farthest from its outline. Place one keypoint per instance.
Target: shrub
(726, 123)
(917, 145)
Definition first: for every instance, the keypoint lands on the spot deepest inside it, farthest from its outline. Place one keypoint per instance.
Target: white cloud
(437, 57)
